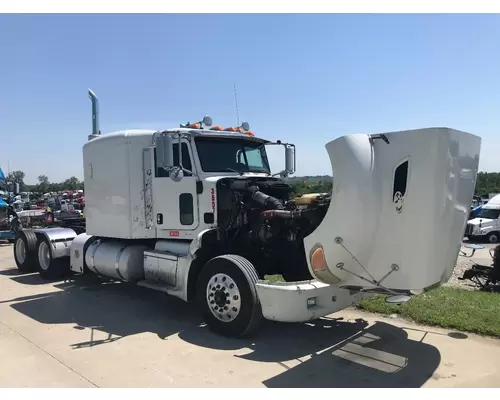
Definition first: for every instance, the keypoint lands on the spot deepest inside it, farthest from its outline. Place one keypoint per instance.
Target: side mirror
(290, 158)
(165, 151)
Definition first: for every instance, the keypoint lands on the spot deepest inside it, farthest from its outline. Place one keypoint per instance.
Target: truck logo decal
(398, 202)
(174, 233)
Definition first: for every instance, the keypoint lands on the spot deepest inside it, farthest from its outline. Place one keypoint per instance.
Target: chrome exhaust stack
(95, 116)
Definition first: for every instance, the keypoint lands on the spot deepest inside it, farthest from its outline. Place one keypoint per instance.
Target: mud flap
(399, 207)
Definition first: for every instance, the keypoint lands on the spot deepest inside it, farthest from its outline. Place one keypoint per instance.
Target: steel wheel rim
(20, 250)
(44, 256)
(223, 297)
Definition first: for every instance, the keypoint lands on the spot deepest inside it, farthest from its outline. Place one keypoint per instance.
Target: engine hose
(283, 214)
(269, 202)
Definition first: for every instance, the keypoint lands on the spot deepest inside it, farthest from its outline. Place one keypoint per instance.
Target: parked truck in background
(195, 212)
(486, 224)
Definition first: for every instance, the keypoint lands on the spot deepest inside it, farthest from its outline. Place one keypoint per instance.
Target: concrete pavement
(83, 333)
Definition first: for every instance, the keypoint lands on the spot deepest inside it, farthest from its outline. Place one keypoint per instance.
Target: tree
(43, 184)
(17, 177)
(71, 183)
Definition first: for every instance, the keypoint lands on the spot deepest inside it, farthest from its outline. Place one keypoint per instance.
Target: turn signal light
(318, 260)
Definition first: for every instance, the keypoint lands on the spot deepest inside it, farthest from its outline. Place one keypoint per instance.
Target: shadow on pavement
(323, 353)
(343, 354)
(29, 279)
(12, 272)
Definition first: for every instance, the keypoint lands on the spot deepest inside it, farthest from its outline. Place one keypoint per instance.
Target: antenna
(237, 110)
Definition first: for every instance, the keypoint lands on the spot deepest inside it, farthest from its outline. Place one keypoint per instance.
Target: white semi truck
(195, 212)
(486, 225)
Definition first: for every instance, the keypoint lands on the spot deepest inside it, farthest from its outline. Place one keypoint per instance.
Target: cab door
(175, 204)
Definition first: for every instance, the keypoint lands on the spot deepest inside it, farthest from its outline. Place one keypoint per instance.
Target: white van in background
(486, 226)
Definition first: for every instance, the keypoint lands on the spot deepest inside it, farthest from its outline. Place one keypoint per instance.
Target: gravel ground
(481, 256)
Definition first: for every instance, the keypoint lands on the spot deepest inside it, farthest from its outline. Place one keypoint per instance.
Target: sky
(305, 79)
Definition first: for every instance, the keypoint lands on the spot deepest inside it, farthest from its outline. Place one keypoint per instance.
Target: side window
(400, 179)
(186, 209)
(254, 158)
(186, 161)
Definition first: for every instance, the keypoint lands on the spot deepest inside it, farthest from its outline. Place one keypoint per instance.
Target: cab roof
(193, 132)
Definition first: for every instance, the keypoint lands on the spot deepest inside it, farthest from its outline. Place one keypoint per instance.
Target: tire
(48, 267)
(493, 237)
(242, 296)
(25, 251)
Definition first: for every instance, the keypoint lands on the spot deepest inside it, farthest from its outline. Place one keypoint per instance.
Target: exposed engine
(261, 217)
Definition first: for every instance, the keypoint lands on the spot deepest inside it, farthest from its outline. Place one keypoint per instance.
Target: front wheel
(227, 296)
(493, 237)
(48, 267)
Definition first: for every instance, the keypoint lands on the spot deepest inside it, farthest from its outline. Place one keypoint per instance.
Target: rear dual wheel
(32, 254)
(48, 267)
(25, 251)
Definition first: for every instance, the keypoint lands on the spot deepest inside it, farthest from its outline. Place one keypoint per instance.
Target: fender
(60, 240)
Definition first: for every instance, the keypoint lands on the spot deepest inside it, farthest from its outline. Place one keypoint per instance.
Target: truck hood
(409, 206)
(215, 178)
(482, 221)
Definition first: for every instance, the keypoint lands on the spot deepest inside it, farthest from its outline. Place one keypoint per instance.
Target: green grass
(458, 309)
(463, 310)
(274, 278)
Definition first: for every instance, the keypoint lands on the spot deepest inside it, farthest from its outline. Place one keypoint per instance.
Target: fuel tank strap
(94, 247)
(117, 263)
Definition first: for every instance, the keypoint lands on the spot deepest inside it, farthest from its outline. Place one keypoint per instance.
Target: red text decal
(213, 200)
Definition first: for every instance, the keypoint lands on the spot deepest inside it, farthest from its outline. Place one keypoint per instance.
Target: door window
(186, 161)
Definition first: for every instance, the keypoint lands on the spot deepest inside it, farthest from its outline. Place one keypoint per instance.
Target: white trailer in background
(195, 212)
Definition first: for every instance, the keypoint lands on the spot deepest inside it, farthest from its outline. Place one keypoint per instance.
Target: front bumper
(303, 301)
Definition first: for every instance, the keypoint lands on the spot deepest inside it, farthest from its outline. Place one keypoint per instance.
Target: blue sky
(302, 78)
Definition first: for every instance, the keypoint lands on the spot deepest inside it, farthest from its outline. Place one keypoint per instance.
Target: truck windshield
(488, 213)
(239, 155)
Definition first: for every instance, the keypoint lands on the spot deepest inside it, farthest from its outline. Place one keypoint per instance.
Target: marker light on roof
(216, 128)
(231, 129)
(250, 133)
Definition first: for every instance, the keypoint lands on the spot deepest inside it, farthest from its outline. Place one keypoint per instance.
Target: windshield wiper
(234, 170)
